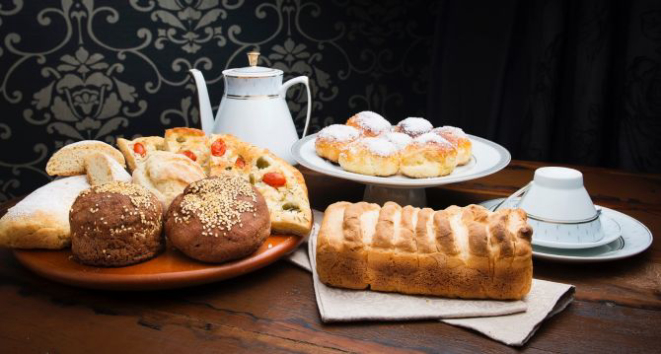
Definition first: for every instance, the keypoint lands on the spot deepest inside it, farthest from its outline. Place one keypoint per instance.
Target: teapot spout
(206, 114)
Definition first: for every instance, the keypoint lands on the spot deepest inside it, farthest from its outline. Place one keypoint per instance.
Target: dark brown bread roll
(218, 219)
(116, 224)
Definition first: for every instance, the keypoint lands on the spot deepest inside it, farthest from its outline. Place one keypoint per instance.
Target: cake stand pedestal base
(402, 196)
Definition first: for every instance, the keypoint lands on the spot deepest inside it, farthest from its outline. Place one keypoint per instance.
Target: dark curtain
(559, 81)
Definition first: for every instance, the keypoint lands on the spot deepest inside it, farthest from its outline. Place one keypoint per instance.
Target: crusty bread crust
(458, 252)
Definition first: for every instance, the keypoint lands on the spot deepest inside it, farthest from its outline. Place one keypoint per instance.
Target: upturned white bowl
(556, 194)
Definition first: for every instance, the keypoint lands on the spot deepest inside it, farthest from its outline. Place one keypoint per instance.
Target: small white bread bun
(370, 123)
(428, 155)
(70, 160)
(167, 174)
(413, 126)
(102, 168)
(459, 139)
(333, 139)
(371, 156)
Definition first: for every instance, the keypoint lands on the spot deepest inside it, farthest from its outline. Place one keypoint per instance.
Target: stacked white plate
(567, 226)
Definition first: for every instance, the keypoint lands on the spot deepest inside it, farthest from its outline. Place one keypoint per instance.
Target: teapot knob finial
(253, 58)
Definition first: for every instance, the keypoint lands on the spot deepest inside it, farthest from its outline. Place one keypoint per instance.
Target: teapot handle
(300, 80)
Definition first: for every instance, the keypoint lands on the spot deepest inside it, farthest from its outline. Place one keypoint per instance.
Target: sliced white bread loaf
(102, 168)
(70, 160)
(41, 220)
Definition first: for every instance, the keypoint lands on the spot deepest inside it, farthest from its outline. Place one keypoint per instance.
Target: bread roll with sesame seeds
(218, 219)
(116, 224)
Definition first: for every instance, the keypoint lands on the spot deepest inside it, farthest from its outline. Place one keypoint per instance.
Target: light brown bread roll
(167, 174)
(458, 252)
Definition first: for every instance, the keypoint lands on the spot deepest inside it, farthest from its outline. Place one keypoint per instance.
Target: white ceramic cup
(556, 202)
(557, 194)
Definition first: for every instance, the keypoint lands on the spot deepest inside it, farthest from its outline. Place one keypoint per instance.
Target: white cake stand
(488, 158)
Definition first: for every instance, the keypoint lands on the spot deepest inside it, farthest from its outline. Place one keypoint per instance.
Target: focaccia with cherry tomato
(136, 151)
(189, 142)
(282, 185)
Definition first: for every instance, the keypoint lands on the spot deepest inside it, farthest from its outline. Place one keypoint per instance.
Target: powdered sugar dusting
(400, 140)
(414, 126)
(373, 122)
(56, 198)
(339, 133)
(431, 138)
(450, 130)
(380, 146)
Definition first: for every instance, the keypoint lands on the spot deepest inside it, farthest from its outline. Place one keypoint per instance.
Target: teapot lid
(252, 71)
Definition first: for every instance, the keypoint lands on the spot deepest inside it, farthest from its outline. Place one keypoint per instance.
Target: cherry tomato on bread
(218, 148)
(139, 149)
(274, 179)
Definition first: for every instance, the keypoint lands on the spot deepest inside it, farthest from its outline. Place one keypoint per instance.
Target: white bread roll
(70, 160)
(167, 174)
(101, 168)
(465, 252)
(41, 220)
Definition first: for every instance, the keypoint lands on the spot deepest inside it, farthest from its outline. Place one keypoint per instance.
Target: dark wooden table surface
(617, 307)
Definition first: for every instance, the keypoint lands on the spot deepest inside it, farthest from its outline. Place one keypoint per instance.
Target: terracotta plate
(171, 269)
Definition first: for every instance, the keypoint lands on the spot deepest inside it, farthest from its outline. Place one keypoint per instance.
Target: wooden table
(617, 306)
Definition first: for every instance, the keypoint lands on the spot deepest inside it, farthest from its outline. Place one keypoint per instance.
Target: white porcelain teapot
(253, 107)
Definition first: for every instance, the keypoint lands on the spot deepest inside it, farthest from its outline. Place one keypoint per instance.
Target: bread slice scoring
(465, 252)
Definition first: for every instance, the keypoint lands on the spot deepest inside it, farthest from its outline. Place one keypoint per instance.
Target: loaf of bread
(458, 252)
(41, 220)
(70, 160)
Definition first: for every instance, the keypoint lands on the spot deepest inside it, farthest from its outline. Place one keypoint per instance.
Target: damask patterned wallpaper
(86, 69)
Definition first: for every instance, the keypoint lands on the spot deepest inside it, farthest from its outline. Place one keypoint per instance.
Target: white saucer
(635, 238)
(488, 157)
(582, 235)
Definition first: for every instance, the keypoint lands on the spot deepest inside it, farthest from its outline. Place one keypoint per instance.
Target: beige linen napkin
(509, 322)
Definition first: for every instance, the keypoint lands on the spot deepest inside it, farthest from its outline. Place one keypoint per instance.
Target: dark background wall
(561, 81)
(74, 70)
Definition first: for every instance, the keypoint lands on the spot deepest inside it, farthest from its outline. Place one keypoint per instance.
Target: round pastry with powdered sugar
(371, 156)
(428, 155)
(116, 224)
(370, 123)
(459, 139)
(413, 126)
(400, 140)
(218, 219)
(331, 140)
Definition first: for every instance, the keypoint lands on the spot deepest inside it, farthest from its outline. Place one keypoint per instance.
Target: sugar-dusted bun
(333, 139)
(414, 126)
(428, 155)
(218, 219)
(369, 123)
(116, 224)
(371, 156)
(459, 139)
(400, 140)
